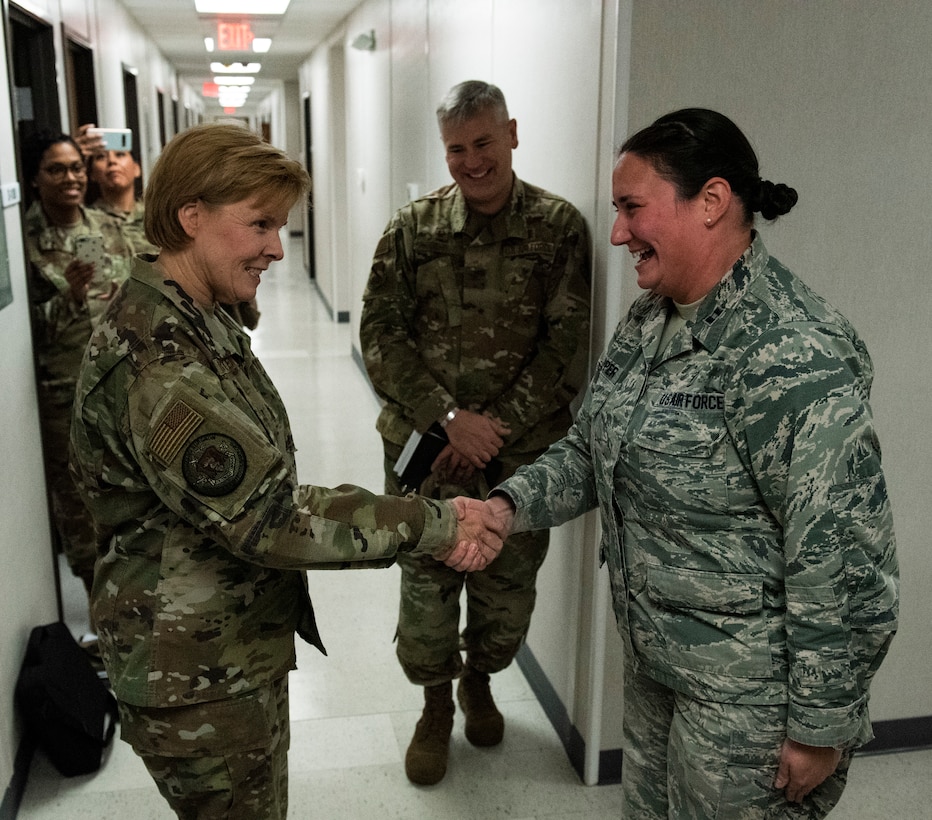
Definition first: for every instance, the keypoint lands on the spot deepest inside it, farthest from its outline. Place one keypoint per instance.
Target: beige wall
(834, 96)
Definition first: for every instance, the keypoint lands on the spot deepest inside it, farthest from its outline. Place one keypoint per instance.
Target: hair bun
(774, 199)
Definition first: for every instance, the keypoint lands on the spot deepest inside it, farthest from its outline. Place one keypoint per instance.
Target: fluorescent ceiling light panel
(235, 68)
(230, 80)
(241, 6)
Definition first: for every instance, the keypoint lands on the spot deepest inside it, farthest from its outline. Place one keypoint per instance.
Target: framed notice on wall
(6, 290)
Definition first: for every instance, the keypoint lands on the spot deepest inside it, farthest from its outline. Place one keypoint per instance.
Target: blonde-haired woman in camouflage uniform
(185, 457)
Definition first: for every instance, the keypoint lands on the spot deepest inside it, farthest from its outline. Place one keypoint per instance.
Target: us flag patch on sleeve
(173, 430)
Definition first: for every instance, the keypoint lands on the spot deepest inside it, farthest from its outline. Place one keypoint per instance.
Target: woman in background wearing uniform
(185, 457)
(728, 442)
(68, 297)
(116, 175)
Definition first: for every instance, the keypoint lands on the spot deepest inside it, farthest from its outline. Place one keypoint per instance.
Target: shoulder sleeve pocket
(206, 449)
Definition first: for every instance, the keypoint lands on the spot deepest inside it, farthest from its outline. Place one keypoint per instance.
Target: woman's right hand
(89, 145)
(78, 275)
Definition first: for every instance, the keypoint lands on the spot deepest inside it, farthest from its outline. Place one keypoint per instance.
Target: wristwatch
(449, 417)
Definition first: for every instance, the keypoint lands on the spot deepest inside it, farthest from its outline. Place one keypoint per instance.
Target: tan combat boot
(484, 723)
(426, 759)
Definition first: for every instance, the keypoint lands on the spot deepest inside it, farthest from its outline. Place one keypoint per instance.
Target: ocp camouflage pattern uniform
(131, 225)
(490, 314)
(183, 452)
(748, 535)
(61, 329)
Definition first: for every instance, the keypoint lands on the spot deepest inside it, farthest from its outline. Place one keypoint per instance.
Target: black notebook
(413, 465)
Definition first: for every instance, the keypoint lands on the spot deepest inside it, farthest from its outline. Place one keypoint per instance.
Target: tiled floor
(353, 712)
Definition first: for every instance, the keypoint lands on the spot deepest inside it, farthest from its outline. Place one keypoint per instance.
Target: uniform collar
(146, 272)
(712, 319)
(508, 223)
(37, 224)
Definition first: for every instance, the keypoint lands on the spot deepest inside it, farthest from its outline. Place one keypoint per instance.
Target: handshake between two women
(482, 527)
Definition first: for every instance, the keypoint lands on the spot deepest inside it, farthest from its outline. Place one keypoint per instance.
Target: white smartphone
(89, 248)
(115, 139)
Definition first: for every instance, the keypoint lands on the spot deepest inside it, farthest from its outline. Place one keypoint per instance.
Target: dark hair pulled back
(34, 149)
(691, 146)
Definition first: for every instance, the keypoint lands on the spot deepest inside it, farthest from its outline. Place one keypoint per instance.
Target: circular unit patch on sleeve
(214, 464)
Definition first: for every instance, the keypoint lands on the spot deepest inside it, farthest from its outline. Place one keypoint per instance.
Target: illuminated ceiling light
(235, 68)
(232, 99)
(209, 44)
(241, 6)
(260, 45)
(231, 80)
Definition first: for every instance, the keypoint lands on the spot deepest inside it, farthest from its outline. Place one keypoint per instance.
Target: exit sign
(234, 36)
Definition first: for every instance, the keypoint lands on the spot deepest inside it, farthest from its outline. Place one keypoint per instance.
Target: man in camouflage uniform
(476, 317)
(748, 535)
(63, 317)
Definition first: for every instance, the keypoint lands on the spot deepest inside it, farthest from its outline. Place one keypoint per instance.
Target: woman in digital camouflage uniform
(728, 442)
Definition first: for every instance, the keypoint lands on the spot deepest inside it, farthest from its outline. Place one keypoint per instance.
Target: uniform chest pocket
(683, 464)
(439, 302)
(507, 293)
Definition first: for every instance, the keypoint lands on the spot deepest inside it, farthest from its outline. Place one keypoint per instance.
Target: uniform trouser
(499, 599)
(73, 523)
(690, 759)
(223, 760)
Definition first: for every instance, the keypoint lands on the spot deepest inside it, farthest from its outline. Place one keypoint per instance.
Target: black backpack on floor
(66, 707)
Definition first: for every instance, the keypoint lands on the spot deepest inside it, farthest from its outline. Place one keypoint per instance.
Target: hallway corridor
(353, 712)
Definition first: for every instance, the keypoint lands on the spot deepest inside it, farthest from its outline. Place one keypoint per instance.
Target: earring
(708, 221)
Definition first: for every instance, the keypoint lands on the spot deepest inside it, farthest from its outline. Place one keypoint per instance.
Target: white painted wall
(546, 55)
(27, 584)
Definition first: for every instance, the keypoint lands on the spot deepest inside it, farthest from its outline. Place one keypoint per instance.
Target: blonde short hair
(218, 164)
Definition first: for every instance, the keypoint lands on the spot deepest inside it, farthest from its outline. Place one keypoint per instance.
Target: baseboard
(890, 736)
(341, 316)
(902, 735)
(13, 795)
(572, 740)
